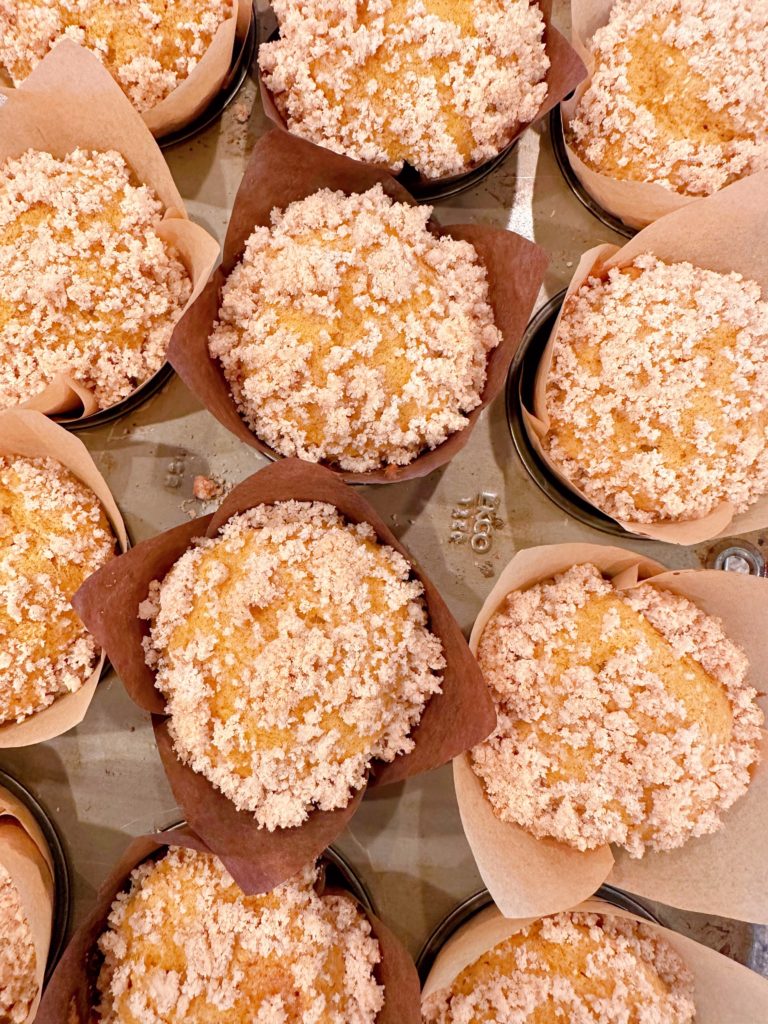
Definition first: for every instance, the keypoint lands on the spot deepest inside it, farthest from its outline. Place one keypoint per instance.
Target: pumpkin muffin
(18, 981)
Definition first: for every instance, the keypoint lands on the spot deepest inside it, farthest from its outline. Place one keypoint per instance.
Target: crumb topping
(678, 95)
(293, 649)
(18, 985)
(185, 946)
(583, 968)
(623, 716)
(440, 84)
(53, 535)
(658, 391)
(349, 333)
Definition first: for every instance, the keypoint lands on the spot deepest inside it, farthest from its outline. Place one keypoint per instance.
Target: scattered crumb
(241, 112)
(205, 488)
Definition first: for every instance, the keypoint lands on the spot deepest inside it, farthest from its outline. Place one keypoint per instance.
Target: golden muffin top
(679, 94)
(574, 967)
(657, 393)
(440, 84)
(292, 649)
(185, 946)
(623, 716)
(18, 983)
(53, 535)
(350, 333)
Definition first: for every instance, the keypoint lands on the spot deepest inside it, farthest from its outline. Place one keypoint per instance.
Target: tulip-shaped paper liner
(566, 70)
(258, 859)
(284, 169)
(724, 233)
(70, 995)
(530, 876)
(32, 435)
(70, 101)
(725, 992)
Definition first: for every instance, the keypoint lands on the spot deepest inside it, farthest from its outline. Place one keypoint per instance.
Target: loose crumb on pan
(657, 393)
(292, 649)
(184, 945)
(88, 287)
(53, 535)
(349, 333)
(679, 94)
(206, 488)
(623, 716)
(441, 84)
(584, 968)
(18, 984)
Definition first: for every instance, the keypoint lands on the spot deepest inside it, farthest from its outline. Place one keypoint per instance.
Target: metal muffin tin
(119, 409)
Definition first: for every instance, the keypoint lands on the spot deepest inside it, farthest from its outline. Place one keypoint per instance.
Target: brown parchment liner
(453, 721)
(724, 232)
(283, 169)
(30, 434)
(725, 873)
(70, 993)
(723, 989)
(25, 856)
(70, 100)
(566, 70)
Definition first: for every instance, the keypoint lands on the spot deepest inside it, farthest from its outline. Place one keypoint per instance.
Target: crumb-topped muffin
(185, 946)
(623, 716)
(576, 967)
(440, 84)
(18, 962)
(351, 334)
(88, 288)
(657, 395)
(679, 94)
(53, 535)
(148, 46)
(293, 649)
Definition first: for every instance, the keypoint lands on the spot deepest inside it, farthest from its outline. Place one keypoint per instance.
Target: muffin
(53, 535)
(350, 334)
(88, 287)
(624, 716)
(292, 650)
(657, 395)
(678, 96)
(18, 965)
(184, 944)
(440, 84)
(148, 46)
(574, 967)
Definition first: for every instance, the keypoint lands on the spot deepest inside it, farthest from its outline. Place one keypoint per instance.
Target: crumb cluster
(577, 967)
(184, 945)
(53, 535)
(349, 333)
(657, 393)
(148, 46)
(623, 716)
(439, 84)
(679, 94)
(18, 984)
(293, 649)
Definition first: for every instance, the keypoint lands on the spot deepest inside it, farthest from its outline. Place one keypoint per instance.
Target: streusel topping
(148, 46)
(350, 333)
(658, 391)
(679, 95)
(53, 535)
(293, 649)
(185, 946)
(623, 716)
(575, 967)
(87, 286)
(18, 984)
(441, 84)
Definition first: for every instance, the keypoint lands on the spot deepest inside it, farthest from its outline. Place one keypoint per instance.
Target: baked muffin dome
(570, 967)
(657, 394)
(18, 962)
(440, 84)
(53, 535)
(87, 286)
(679, 94)
(185, 946)
(623, 716)
(293, 649)
(349, 333)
